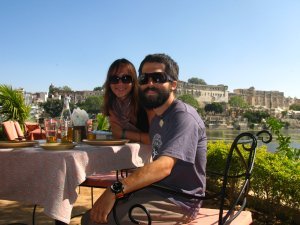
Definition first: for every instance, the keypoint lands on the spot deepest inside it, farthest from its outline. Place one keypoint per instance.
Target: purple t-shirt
(180, 133)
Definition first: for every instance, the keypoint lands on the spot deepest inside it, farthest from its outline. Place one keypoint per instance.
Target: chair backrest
(13, 130)
(18, 129)
(10, 130)
(29, 126)
(239, 166)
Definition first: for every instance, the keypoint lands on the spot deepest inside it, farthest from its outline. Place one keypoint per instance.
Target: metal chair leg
(92, 196)
(33, 215)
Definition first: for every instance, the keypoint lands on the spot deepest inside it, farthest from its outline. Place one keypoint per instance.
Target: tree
(92, 104)
(66, 89)
(98, 88)
(295, 107)
(238, 102)
(189, 99)
(53, 107)
(256, 116)
(53, 89)
(284, 113)
(13, 105)
(215, 107)
(195, 80)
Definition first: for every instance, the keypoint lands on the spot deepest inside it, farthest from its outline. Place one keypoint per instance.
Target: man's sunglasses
(126, 79)
(158, 78)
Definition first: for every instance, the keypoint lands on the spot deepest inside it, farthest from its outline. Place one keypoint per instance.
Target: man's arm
(142, 177)
(148, 174)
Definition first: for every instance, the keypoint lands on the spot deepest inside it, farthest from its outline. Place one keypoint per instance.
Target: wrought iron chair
(242, 153)
(102, 180)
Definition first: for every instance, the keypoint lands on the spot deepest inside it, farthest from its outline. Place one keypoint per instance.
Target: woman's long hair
(110, 97)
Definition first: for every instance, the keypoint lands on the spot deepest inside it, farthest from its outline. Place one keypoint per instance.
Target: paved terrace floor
(13, 212)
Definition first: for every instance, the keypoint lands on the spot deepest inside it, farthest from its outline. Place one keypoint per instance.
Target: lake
(229, 135)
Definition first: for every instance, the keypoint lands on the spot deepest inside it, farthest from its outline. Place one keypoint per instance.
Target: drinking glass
(51, 129)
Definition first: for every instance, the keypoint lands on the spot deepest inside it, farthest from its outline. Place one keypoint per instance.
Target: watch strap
(119, 195)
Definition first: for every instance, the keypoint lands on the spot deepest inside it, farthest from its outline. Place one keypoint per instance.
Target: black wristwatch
(117, 188)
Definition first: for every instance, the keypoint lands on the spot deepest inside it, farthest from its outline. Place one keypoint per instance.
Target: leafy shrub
(216, 155)
(216, 162)
(284, 149)
(275, 178)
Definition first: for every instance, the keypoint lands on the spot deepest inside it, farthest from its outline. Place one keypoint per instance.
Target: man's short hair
(171, 67)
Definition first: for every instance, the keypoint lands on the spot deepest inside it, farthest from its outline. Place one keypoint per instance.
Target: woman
(127, 118)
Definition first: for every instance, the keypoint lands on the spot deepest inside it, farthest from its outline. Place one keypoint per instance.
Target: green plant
(217, 154)
(256, 116)
(284, 148)
(189, 99)
(53, 107)
(275, 179)
(103, 123)
(276, 186)
(92, 104)
(13, 105)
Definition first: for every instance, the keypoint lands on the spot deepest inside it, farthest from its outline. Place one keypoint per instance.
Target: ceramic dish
(17, 144)
(106, 142)
(58, 146)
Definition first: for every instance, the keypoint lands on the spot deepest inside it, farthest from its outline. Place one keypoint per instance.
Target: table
(50, 178)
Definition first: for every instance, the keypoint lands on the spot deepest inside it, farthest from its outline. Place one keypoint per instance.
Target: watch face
(117, 187)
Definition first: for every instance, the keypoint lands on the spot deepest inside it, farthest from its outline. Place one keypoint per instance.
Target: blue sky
(239, 43)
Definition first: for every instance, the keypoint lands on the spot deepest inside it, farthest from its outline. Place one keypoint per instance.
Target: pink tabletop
(50, 178)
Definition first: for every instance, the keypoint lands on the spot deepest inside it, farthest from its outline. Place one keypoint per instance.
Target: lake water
(229, 135)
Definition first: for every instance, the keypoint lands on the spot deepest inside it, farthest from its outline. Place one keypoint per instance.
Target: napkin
(79, 117)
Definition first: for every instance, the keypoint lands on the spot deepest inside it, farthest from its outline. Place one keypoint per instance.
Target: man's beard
(153, 101)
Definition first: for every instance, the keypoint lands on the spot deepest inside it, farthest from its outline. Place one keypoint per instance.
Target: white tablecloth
(50, 178)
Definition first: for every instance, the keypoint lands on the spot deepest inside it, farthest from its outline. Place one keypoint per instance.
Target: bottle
(66, 125)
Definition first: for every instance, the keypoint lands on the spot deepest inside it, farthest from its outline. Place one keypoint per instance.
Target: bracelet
(123, 133)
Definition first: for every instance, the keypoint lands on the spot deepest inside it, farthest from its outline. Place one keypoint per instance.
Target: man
(179, 154)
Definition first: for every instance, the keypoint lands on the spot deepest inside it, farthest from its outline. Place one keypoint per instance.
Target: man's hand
(103, 206)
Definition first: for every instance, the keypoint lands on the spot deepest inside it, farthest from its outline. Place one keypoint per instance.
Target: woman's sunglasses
(157, 77)
(126, 79)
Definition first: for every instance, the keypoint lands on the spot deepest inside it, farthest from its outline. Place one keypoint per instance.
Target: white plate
(106, 142)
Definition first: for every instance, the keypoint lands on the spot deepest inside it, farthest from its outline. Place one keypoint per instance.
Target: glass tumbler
(51, 129)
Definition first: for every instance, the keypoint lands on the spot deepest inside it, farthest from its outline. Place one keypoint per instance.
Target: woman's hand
(103, 207)
(116, 130)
